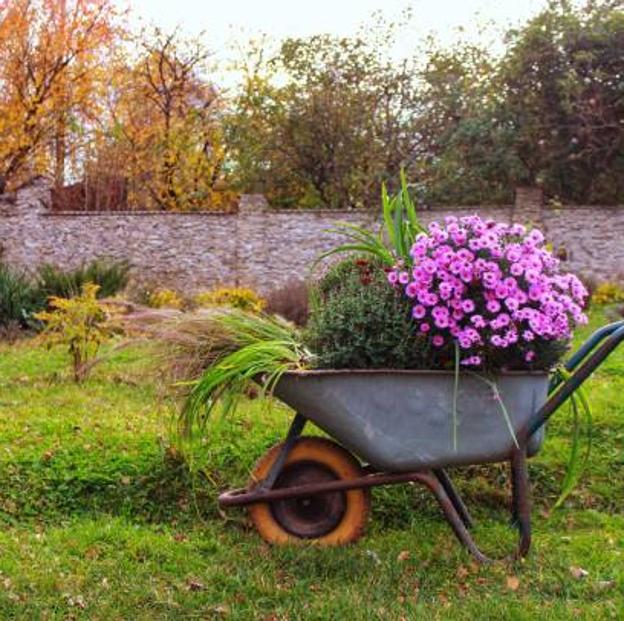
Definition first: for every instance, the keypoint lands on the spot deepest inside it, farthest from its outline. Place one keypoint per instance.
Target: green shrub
(80, 323)
(358, 320)
(110, 276)
(18, 298)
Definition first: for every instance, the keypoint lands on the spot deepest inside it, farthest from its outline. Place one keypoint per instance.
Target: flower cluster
(489, 285)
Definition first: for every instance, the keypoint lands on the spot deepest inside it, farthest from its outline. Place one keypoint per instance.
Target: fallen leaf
(373, 555)
(403, 556)
(513, 583)
(77, 601)
(194, 585)
(462, 572)
(92, 553)
(578, 572)
(220, 610)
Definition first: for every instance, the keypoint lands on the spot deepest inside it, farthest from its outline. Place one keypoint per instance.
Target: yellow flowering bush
(81, 324)
(241, 298)
(608, 293)
(165, 298)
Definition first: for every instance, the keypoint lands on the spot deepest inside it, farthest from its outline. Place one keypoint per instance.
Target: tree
(51, 54)
(549, 112)
(164, 133)
(562, 86)
(341, 122)
(465, 155)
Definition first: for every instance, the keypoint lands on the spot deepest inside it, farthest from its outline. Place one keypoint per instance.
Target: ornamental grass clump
(493, 291)
(242, 349)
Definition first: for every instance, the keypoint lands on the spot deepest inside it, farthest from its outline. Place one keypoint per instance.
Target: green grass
(100, 520)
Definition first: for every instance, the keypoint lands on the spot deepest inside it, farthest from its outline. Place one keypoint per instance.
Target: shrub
(358, 321)
(110, 276)
(80, 323)
(18, 298)
(291, 302)
(242, 298)
(607, 293)
(164, 298)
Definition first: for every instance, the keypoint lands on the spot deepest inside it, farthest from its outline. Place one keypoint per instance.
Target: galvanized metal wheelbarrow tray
(399, 423)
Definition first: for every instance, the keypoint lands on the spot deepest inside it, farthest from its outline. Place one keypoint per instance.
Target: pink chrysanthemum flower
(488, 285)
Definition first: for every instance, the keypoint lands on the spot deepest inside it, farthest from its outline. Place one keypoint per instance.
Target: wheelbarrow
(401, 426)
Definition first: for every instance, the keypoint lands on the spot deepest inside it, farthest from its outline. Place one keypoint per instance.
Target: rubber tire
(343, 464)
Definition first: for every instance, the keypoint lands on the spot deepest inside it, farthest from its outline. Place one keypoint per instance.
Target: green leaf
(579, 456)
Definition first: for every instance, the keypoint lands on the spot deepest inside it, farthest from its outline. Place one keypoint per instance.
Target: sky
(227, 22)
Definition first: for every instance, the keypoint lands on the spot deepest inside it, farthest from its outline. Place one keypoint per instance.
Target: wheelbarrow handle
(598, 336)
(586, 360)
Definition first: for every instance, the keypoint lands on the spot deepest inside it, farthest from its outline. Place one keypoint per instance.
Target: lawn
(101, 519)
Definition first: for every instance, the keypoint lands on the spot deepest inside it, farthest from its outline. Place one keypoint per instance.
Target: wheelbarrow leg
(452, 515)
(296, 427)
(450, 504)
(521, 501)
(454, 497)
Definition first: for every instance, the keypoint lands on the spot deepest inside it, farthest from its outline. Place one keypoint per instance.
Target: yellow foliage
(167, 138)
(165, 298)
(51, 70)
(236, 297)
(81, 323)
(608, 293)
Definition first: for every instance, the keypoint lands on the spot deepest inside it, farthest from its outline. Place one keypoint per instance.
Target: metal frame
(581, 364)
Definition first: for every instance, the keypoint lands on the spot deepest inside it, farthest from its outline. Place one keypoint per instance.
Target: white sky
(228, 23)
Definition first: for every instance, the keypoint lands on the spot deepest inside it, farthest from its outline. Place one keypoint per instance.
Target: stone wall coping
(564, 208)
(10, 199)
(125, 214)
(275, 212)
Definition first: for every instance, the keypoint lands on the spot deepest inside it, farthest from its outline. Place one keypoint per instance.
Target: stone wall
(256, 246)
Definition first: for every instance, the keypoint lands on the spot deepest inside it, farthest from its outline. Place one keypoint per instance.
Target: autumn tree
(548, 112)
(164, 133)
(51, 64)
(465, 155)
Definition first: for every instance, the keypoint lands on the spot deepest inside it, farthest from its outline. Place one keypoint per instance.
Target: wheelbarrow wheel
(331, 519)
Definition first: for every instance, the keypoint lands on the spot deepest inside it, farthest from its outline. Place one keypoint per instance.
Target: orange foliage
(164, 135)
(51, 64)
(127, 123)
